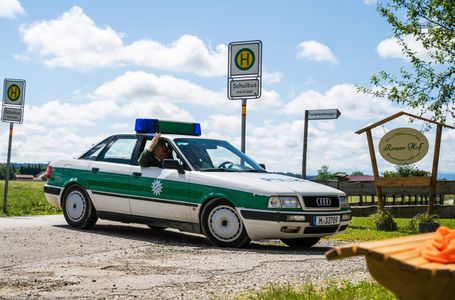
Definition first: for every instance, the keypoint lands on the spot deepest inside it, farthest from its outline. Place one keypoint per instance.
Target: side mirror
(262, 166)
(173, 164)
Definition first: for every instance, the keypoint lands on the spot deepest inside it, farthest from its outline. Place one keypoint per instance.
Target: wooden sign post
(405, 181)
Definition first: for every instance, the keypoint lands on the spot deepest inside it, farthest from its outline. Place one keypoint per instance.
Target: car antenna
(131, 103)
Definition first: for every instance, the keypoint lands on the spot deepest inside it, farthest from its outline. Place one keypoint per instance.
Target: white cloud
(221, 124)
(280, 144)
(63, 129)
(353, 105)
(370, 2)
(22, 58)
(187, 54)
(310, 81)
(389, 48)
(121, 126)
(11, 9)
(269, 100)
(271, 78)
(315, 51)
(142, 87)
(73, 40)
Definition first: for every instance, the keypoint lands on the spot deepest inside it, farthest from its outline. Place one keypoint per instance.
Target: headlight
(344, 202)
(284, 202)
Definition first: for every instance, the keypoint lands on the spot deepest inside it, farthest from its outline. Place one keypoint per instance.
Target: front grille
(325, 229)
(321, 201)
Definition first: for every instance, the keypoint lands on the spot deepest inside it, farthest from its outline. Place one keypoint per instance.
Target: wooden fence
(364, 193)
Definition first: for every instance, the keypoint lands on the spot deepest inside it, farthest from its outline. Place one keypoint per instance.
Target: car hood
(266, 183)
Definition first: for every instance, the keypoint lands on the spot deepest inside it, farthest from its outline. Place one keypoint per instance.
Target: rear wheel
(222, 225)
(302, 242)
(78, 208)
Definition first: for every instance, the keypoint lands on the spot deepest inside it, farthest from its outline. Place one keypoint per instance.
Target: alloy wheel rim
(225, 224)
(75, 206)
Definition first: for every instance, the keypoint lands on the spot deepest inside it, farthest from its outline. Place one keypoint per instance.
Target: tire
(222, 225)
(302, 242)
(78, 208)
(153, 227)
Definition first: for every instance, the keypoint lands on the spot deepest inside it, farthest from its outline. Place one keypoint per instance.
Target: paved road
(42, 257)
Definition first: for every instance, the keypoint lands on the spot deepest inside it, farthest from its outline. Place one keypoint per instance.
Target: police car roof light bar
(146, 126)
(154, 125)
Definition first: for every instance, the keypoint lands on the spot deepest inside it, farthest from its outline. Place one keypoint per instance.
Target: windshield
(216, 156)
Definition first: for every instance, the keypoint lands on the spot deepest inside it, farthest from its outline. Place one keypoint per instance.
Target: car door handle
(137, 174)
(95, 170)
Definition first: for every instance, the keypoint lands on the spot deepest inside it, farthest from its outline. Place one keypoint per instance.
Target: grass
(26, 198)
(343, 291)
(364, 229)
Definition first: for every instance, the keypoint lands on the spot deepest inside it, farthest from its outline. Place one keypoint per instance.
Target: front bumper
(276, 225)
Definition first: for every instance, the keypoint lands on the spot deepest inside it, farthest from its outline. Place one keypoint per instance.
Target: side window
(120, 151)
(172, 155)
(93, 153)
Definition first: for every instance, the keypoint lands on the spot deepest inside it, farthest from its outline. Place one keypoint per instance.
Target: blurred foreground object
(398, 265)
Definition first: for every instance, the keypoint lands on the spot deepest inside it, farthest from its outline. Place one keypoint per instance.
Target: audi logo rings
(323, 201)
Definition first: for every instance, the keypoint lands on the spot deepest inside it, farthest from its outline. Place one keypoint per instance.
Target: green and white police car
(206, 186)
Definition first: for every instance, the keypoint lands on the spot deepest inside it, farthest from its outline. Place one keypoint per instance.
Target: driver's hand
(154, 142)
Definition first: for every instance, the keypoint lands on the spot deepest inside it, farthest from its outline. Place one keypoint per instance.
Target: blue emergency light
(155, 125)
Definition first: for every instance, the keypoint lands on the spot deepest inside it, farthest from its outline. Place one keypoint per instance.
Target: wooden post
(375, 170)
(434, 171)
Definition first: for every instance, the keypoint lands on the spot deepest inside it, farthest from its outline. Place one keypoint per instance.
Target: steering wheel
(224, 165)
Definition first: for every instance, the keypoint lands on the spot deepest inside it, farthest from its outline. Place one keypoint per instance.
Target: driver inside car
(153, 155)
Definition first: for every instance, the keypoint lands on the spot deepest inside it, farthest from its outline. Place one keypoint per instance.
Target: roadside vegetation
(332, 290)
(364, 229)
(26, 198)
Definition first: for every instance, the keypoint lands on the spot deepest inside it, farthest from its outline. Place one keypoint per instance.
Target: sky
(93, 67)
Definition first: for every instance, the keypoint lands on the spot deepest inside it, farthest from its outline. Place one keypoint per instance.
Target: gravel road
(42, 257)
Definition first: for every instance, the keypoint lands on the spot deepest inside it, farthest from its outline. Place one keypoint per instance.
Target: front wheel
(222, 225)
(302, 242)
(78, 209)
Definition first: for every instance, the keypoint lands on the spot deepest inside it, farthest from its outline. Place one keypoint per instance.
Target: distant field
(26, 198)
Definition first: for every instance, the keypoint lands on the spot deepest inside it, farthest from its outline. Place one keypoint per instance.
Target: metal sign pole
(243, 124)
(5, 196)
(305, 145)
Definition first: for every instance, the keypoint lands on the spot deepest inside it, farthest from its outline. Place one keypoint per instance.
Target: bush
(414, 223)
(384, 221)
(406, 171)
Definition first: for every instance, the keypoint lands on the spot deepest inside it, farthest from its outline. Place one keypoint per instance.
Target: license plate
(326, 220)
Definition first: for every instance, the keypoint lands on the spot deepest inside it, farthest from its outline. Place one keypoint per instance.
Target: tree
(428, 83)
(324, 174)
(357, 173)
(12, 173)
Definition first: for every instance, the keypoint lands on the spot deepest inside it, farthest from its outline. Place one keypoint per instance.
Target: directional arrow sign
(323, 114)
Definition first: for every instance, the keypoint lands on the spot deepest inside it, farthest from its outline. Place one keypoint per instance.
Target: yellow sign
(244, 59)
(403, 146)
(13, 92)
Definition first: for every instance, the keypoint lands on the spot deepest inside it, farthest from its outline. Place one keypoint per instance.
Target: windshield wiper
(216, 170)
(254, 171)
(231, 170)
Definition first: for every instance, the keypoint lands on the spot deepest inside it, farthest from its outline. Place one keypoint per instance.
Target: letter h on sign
(244, 59)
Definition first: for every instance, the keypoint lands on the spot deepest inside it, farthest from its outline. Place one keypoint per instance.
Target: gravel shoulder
(42, 257)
